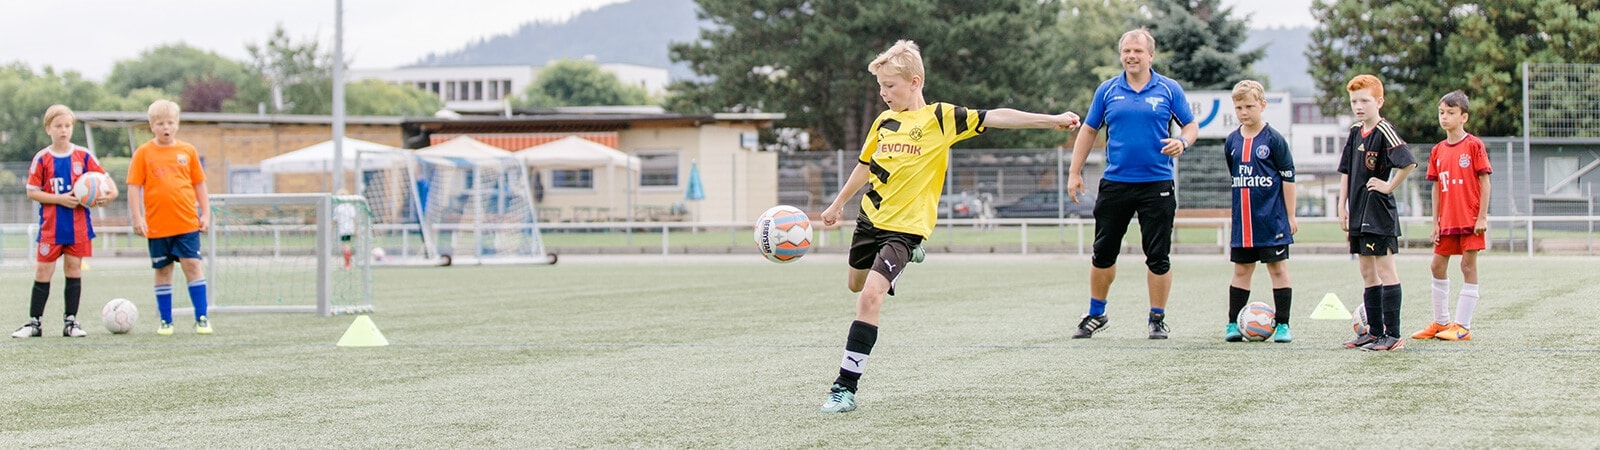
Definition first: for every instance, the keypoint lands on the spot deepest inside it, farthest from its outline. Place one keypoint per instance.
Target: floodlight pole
(338, 96)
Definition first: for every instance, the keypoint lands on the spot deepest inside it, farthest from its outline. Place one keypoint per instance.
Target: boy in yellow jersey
(904, 158)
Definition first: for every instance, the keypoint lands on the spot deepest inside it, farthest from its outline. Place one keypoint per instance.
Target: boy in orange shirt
(1460, 166)
(170, 207)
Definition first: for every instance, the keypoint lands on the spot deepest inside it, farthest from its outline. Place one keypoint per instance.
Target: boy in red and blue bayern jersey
(1263, 208)
(65, 226)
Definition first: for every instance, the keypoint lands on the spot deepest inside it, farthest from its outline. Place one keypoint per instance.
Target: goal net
(285, 253)
(451, 210)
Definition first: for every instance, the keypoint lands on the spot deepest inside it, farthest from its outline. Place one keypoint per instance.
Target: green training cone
(364, 333)
(1330, 309)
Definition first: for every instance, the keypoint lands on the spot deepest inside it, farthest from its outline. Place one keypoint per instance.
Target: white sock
(1465, 303)
(1441, 293)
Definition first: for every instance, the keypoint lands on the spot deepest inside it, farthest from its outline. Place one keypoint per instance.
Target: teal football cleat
(840, 400)
(919, 254)
(1232, 334)
(1281, 334)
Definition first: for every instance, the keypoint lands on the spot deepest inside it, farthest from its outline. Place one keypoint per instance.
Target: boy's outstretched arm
(1011, 118)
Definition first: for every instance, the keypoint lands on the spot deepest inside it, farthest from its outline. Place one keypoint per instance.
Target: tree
(300, 72)
(1199, 42)
(377, 98)
(571, 82)
(27, 96)
(808, 59)
(174, 68)
(206, 94)
(1093, 28)
(1476, 47)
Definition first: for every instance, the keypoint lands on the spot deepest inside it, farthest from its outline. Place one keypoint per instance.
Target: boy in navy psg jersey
(1263, 208)
(1374, 163)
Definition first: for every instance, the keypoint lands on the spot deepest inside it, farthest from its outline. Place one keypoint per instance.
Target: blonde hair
(56, 111)
(163, 109)
(1366, 82)
(1142, 33)
(904, 59)
(1249, 90)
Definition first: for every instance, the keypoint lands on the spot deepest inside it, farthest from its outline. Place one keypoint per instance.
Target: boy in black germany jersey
(904, 158)
(1375, 162)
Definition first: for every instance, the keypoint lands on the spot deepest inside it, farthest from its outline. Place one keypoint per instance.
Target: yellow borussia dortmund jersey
(908, 152)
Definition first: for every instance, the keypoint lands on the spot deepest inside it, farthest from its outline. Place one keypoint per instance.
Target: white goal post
(284, 253)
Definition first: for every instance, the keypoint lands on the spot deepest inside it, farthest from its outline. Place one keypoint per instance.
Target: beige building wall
(225, 146)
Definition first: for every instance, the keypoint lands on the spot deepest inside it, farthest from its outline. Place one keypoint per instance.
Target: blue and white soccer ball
(1256, 321)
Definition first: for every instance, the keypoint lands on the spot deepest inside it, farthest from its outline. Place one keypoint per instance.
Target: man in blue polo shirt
(1136, 109)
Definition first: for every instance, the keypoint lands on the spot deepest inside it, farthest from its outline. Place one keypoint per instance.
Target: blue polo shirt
(1135, 122)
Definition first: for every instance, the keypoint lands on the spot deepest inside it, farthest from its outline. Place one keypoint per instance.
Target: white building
(489, 88)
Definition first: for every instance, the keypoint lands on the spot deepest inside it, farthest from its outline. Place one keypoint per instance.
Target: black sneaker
(1158, 326)
(1360, 340)
(1090, 325)
(1384, 344)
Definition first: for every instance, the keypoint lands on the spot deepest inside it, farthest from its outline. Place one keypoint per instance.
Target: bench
(1216, 218)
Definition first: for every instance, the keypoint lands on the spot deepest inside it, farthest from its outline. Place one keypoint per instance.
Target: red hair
(1366, 82)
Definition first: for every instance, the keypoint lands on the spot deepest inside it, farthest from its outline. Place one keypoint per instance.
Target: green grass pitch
(692, 351)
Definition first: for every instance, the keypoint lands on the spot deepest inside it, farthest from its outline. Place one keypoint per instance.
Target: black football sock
(74, 292)
(1236, 300)
(1372, 300)
(41, 293)
(862, 337)
(1282, 300)
(1391, 309)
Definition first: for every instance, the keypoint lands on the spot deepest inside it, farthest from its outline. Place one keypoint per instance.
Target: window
(1558, 169)
(494, 91)
(477, 90)
(505, 86)
(658, 169)
(1317, 145)
(572, 179)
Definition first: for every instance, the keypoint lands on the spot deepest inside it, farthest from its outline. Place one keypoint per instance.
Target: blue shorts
(163, 251)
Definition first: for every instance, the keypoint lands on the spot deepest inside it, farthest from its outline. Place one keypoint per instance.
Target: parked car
(964, 205)
(1043, 204)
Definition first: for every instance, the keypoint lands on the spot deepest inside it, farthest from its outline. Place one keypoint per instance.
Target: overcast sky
(90, 35)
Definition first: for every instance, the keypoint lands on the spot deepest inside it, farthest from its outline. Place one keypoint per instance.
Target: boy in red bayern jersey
(1460, 167)
(65, 227)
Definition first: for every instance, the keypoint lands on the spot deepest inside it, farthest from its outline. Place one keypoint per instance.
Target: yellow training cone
(363, 333)
(1331, 309)
(84, 265)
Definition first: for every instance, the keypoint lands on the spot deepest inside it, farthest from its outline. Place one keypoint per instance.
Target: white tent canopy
(574, 152)
(465, 148)
(319, 158)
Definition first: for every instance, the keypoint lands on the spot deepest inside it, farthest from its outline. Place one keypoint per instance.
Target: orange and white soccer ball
(1256, 321)
(93, 186)
(119, 315)
(783, 234)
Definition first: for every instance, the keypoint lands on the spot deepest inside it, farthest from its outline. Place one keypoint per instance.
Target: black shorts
(1155, 204)
(1374, 244)
(1252, 255)
(885, 252)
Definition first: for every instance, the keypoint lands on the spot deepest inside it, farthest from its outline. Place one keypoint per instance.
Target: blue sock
(197, 295)
(1097, 307)
(164, 302)
(1157, 311)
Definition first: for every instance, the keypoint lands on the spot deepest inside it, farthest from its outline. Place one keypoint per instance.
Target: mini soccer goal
(289, 253)
(448, 210)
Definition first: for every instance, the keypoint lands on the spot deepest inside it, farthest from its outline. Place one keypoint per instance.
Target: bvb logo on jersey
(916, 134)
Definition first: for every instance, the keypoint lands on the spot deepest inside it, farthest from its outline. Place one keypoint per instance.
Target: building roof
(122, 118)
